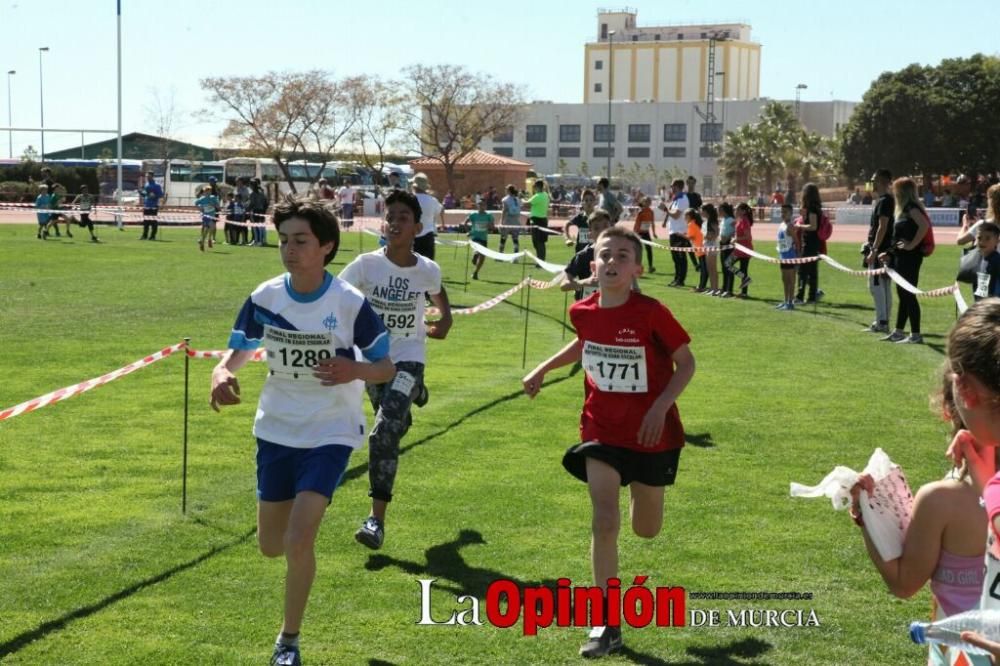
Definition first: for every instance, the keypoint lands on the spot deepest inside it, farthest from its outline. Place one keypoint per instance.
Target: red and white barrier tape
(258, 355)
(500, 298)
(689, 248)
(82, 387)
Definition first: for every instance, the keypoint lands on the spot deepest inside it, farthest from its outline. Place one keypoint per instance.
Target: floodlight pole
(118, 217)
(41, 97)
(10, 117)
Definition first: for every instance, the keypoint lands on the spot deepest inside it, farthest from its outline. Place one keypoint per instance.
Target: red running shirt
(627, 359)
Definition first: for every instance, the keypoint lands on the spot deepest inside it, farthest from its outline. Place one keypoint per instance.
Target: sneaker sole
(366, 540)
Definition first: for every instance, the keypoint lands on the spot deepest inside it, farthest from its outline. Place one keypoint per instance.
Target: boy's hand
(972, 638)
(533, 383)
(652, 424)
(225, 388)
(336, 370)
(438, 329)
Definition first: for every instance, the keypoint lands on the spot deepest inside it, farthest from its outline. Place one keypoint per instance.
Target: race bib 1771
(614, 368)
(292, 354)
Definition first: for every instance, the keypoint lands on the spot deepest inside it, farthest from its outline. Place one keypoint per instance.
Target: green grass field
(99, 566)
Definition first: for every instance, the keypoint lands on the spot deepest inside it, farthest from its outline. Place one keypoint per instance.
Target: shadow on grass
(380, 662)
(362, 469)
(26, 638)
(702, 440)
(730, 654)
(445, 561)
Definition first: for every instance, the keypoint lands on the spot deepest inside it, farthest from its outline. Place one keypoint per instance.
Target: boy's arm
(652, 424)
(571, 353)
(225, 387)
(439, 329)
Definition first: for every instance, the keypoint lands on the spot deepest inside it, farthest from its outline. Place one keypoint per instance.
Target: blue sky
(836, 48)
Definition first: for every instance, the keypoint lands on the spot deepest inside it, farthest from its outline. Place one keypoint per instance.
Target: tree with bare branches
(380, 121)
(450, 110)
(286, 115)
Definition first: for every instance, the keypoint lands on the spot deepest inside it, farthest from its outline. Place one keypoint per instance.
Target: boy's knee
(646, 530)
(605, 525)
(271, 547)
(297, 545)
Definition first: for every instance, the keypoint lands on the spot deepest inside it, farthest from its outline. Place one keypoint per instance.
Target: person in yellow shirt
(539, 220)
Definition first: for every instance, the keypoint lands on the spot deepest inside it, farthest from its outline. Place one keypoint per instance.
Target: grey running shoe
(913, 339)
(602, 642)
(286, 655)
(895, 336)
(371, 533)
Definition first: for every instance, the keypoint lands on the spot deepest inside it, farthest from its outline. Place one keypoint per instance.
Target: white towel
(886, 514)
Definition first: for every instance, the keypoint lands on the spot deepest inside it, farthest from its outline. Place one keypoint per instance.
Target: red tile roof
(475, 158)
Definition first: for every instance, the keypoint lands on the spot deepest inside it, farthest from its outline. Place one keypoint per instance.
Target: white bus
(304, 174)
(182, 180)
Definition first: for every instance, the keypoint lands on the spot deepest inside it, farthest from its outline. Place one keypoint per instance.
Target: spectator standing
(879, 242)
(710, 232)
(810, 212)
(694, 199)
(539, 220)
(152, 197)
(645, 228)
(42, 204)
(910, 227)
(430, 217)
(608, 201)
(677, 229)
(346, 195)
(243, 201)
(257, 205)
(511, 220)
(727, 231)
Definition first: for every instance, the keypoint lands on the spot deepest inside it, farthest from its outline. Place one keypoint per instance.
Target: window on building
(604, 133)
(656, 37)
(674, 151)
(569, 134)
(504, 136)
(676, 132)
(597, 87)
(598, 64)
(638, 151)
(635, 38)
(707, 183)
(535, 133)
(680, 36)
(704, 35)
(604, 31)
(711, 150)
(638, 133)
(505, 151)
(602, 151)
(534, 151)
(569, 151)
(711, 131)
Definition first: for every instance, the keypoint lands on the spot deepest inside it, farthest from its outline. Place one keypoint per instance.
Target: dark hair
(321, 219)
(407, 199)
(511, 190)
(587, 191)
(621, 232)
(787, 205)
(974, 344)
(726, 208)
(604, 182)
(694, 214)
(744, 207)
(713, 217)
(990, 228)
(678, 182)
(811, 203)
(540, 183)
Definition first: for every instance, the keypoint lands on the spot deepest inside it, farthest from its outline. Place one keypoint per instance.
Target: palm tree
(739, 157)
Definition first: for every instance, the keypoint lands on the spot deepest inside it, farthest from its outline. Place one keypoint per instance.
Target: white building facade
(664, 136)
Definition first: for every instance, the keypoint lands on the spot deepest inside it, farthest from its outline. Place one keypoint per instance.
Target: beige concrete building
(668, 63)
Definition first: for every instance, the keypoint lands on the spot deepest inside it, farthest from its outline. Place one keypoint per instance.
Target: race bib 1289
(614, 368)
(292, 354)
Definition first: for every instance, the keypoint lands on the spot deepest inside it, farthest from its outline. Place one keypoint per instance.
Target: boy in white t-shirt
(395, 280)
(309, 418)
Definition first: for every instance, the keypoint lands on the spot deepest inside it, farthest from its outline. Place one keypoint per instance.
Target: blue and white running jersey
(298, 330)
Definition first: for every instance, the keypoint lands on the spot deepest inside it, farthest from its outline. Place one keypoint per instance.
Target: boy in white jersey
(395, 279)
(309, 418)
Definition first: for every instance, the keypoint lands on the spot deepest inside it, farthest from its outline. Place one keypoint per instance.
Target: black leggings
(538, 237)
(727, 275)
(908, 267)
(680, 258)
(644, 235)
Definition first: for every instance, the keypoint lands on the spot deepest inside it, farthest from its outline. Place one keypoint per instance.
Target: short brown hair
(321, 219)
(627, 234)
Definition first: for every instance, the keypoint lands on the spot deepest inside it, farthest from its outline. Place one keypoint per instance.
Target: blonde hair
(993, 203)
(905, 192)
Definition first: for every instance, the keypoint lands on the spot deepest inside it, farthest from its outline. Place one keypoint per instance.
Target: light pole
(798, 92)
(611, 90)
(10, 121)
(41, 96)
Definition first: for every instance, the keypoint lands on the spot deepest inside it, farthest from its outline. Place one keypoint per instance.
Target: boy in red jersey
(637, 363)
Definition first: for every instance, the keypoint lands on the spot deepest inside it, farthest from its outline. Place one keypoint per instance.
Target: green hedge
(20, 182)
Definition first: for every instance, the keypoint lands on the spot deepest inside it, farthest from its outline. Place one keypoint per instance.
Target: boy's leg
(299, 541)
(604, 482)
(392, 420)
(272, 523)
(646, 509)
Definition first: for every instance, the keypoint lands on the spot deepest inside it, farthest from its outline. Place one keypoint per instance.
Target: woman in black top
(808, 224)
(908, 231)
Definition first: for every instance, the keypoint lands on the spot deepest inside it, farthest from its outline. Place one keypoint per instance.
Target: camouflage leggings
(391, 403)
